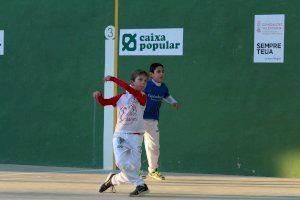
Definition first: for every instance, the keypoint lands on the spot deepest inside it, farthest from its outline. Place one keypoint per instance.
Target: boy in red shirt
(128, 136)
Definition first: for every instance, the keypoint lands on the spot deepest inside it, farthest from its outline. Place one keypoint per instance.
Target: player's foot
(142, 175)
(107, 184)
(139, 190)
(156, 175)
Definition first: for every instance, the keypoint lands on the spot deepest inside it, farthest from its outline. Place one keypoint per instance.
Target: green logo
(129, 42)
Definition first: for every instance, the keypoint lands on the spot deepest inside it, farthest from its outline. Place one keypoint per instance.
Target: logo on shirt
(120, 142)
(155, 97)
(128, 114)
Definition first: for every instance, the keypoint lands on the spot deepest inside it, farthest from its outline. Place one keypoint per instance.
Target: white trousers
(127, 150)
(151, 140)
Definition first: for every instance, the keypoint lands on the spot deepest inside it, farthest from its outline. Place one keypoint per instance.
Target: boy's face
(158, 74)
(140, 82)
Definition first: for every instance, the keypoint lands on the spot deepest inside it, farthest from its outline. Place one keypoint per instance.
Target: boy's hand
(176, 105)
(107, 78)
(96, 94)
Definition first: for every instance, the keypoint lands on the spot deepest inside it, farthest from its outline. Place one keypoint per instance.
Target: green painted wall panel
(236, 117)
(53, 62)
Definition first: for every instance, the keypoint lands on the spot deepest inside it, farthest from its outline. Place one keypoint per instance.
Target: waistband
(142, 133)
(135, 133)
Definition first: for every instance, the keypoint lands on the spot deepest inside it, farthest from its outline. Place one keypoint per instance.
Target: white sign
(269, 39)
(1, 42)
(159, 42)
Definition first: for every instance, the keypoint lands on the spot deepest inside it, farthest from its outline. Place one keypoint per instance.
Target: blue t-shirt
(155, 95)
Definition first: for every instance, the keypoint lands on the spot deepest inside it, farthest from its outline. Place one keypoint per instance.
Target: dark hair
(153, 66)
(137, 73)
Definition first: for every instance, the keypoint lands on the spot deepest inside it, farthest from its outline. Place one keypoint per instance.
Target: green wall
(53, 62)
(236, 117)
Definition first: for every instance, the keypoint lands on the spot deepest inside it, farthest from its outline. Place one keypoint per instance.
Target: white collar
(156, 83)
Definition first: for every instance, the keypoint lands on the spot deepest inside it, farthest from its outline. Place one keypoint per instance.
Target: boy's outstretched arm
(105, 102)
(172, 101)
(142, 98)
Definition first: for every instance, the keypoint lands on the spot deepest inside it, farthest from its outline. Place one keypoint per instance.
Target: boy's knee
(128, 166)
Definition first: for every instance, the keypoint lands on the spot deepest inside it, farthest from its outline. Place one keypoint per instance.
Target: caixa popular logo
(129, 42)
(151, 41)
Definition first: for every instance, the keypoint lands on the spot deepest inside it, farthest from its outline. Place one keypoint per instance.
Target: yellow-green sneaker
(156, 175)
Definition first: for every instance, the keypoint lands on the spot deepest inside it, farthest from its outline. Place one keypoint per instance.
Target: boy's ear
(131, 82)
(150, 74)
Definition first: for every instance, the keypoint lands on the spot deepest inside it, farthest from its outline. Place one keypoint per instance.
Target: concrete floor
(34, 182)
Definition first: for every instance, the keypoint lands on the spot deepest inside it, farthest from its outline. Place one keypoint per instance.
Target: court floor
(55, 183)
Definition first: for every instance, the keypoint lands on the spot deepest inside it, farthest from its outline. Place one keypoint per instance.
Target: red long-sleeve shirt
(142, 98)
(130, 108)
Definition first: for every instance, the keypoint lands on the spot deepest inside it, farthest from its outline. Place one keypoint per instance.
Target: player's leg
(152, 146)
(122, 155)
(121, 152)
(151, 140)
(128, 159)
(136, 152)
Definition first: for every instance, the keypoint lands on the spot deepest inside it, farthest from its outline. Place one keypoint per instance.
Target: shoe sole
(140, 194)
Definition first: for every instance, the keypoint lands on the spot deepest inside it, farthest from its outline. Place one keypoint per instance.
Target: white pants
(127, 151)
(151, 139)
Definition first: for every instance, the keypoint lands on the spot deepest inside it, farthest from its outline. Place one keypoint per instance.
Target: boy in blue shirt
(156, 91)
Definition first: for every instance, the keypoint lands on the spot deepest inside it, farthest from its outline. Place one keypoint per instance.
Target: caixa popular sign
(157, 42)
